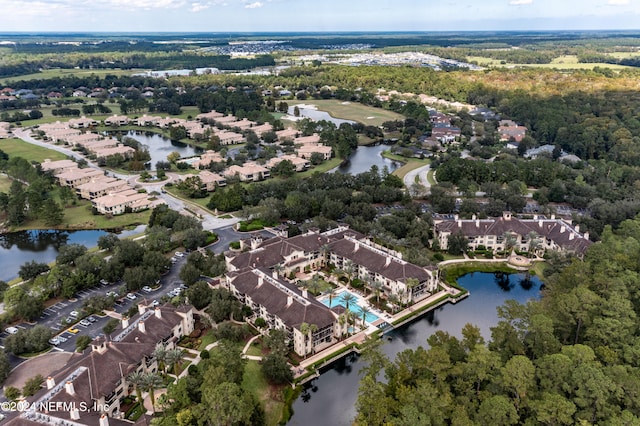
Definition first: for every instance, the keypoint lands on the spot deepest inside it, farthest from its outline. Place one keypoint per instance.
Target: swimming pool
(354, 307)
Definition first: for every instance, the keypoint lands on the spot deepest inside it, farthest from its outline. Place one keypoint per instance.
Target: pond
(366, 156)
(311, 112)
(330, 399)
(17, 248)
(159, 146)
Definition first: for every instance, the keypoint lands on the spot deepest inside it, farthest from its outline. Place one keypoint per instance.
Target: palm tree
(173, 357)
(313, 285)
(312, 329)
(364, 310)
(376, 286)
(411, 283)
(331, 292)
(348, 298)
(160, 354)
(348, 268)
(137, 380)
(151, 382)
(342, 320)
(510, 241)
(534, 242)
(278, 268)
(324, 251)
(304, 329)
(395, 301)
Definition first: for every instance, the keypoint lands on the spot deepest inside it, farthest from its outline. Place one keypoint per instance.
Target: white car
(179, 254)
(131, 296)
(155, 303)
(147, 289)
(11, 330)
(54, 341)
(85, 323)
(74, 314)
(61, 339)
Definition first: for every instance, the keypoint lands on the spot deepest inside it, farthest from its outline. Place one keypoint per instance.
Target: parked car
(73, 330)
(91, 319)
(155, 303)
(11, 330)
(54, 341)
(61, 339)
(147, 289)
(85, 323)
(74, 314)
(112, 294)
(131, 296)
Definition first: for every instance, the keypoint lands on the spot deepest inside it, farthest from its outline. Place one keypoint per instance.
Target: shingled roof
(557, 230)
(293, 311)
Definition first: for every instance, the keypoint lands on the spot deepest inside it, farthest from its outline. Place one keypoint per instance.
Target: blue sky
(316, 15)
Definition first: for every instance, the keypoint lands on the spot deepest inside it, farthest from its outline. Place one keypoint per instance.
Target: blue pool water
(338, 299)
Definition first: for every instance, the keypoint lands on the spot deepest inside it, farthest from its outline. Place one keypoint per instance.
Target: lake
(159, 146)
(17, 248)
(330, 399)
(364, 157)
(317, 115)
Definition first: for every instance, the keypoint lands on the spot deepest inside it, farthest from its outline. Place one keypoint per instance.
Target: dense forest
(569, 358)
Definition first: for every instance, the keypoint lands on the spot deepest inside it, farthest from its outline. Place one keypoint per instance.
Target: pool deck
(446, 295)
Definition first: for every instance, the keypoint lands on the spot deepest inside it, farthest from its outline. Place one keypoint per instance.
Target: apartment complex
(90, 388)
(538, 234)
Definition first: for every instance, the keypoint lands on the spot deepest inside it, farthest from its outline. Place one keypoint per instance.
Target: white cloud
(520, 2)
(618, 2)
(254, 5)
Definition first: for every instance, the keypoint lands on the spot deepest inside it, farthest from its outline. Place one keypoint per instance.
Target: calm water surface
(17, 248)
(366, 156)
(159, 146)
(330, 399)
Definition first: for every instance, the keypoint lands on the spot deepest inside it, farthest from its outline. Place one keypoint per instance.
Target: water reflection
(330, 399)
(159, 146)
(17, 248)
(364, 157)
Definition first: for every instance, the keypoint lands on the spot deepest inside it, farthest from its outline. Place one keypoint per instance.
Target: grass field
(253, 381)
(79, 216)
(66, 73)
(5, 184)
(353, 111)
(406, 168)
(565, 62)
(19, 148)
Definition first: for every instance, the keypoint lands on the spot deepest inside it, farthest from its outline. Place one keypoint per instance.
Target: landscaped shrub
(438, 257)
(357, 283)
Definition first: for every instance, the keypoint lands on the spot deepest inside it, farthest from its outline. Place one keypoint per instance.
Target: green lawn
(47, 74)
(79, 216)
(352, 111)
(5, 184)
(19, 148)
(321, 168)
(406, 168)
(253, 381)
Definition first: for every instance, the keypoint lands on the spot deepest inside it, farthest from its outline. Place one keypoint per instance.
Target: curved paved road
(421, 172)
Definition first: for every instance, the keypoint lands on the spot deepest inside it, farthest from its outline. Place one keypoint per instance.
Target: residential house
(206, 159)
(124, 151)
(248, 172)
(229, 138)
(100, 186)
(210, 181)
(58, 166)
(116, 203)
(509, 130)
(305, 151)
(75, 177)
(82, 122)
(299, 163)
(288, 134)
(116, 120)
(147, 120)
